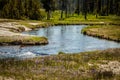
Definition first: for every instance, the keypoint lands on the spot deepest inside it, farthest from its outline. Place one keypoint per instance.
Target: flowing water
(61, 38)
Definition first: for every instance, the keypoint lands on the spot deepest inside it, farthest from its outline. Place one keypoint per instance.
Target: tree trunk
(48, 15)
(96, 15)
(85, 15)
(85, 9)
(78, 5)
(66, 12)
(96, 8)
(61, 14)
(107, 8)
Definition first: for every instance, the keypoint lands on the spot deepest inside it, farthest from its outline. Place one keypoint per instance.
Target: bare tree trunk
(48, 15)
(66, 13)
(85, 15)
(85, 9)
(78, 5)
(61, 14)
(107, 8)
(96, 8)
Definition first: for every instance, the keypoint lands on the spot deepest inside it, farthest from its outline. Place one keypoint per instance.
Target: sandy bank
(10, 34)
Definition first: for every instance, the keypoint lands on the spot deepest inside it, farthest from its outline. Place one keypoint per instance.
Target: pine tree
(20, 9)
(49, 6)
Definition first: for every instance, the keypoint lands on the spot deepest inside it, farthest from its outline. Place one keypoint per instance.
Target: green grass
(110, 32)
(22, 40)
(61, 67)
(80, 66)
(38, 24)
(79, 19)
(72, 19)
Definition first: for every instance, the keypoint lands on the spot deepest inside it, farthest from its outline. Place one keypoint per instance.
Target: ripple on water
(17, 55)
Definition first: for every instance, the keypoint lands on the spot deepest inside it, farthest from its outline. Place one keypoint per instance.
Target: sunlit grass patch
(110, 32)
(22, 40)
(77, 19)
(32, 24)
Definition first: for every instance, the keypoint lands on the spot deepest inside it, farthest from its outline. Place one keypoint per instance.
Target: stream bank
(10, 30)
(108, 32)
(95, 65)
(10, 35)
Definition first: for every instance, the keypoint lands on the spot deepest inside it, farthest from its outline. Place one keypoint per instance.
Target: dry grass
(81, 66)
(110, 32)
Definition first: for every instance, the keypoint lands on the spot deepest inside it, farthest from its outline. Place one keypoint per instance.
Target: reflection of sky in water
(61, 38)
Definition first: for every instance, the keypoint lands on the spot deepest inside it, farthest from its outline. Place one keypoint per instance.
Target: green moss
(61, 53)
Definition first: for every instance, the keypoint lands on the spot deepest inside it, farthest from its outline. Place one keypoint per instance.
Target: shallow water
(61, 38)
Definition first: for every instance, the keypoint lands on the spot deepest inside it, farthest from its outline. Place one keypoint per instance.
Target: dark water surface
(61, 38)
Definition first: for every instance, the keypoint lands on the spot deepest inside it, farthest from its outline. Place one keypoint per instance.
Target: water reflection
(61, 38)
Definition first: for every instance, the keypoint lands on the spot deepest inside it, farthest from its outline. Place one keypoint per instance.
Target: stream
(61, 39)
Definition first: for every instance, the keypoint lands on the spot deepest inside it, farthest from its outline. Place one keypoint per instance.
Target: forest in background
(101, 19)
(33, 9)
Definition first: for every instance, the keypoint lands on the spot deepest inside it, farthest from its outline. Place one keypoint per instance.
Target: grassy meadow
(71, 19)
(79, 19)
(95, 65)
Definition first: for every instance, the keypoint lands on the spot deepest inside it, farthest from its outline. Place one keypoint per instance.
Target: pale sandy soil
(11, 30)
(34, 23)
